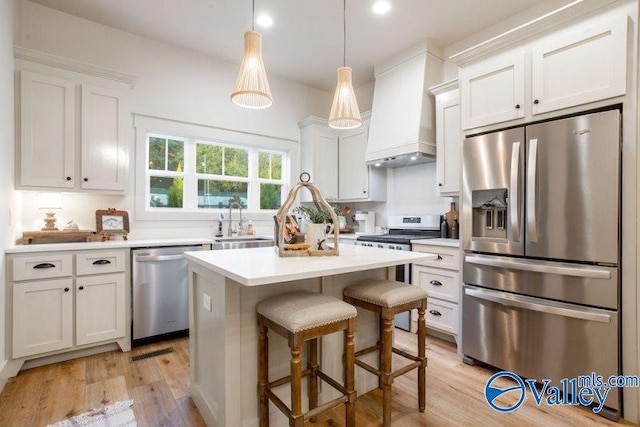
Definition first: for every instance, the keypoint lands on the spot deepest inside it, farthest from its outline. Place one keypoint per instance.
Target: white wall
(8, 11)
(171, 83)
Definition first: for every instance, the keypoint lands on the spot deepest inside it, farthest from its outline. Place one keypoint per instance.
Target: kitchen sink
(242, 243)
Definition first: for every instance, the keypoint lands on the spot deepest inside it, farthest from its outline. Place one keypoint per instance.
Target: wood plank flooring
(159, 387)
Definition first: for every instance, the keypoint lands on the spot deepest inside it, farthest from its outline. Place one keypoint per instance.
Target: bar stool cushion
(385, 293)
(299, 311)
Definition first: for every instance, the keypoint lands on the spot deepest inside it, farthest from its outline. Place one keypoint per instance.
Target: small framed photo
(110, 222)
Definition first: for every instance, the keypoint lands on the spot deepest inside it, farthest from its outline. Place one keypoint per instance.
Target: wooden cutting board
(450, 216)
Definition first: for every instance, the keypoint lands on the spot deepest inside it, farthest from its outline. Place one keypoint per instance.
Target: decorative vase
(317, 235)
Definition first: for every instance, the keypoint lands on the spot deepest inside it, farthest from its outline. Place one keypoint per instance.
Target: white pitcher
(317, 235)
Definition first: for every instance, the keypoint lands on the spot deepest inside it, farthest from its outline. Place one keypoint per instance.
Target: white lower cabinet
(42, 316)
(100, 304)
(57, 314)
(441, 279)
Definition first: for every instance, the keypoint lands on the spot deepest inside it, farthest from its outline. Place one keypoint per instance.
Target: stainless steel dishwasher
(160, 292)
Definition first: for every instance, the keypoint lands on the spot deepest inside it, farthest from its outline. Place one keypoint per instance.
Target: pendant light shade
(344, 110)
(252, 87)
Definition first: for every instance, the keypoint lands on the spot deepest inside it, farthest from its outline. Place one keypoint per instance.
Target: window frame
(191, 135)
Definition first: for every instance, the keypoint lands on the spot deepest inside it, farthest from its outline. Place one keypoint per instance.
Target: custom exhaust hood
(402, 130)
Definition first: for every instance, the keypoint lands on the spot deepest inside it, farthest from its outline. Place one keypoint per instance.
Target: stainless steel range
(402, 230)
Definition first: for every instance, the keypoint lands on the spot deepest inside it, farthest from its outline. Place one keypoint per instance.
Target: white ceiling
(305, 43)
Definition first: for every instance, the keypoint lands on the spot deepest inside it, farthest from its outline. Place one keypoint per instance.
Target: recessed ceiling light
(413, 158)
(377, 165)
(264, 21)
(381, 7)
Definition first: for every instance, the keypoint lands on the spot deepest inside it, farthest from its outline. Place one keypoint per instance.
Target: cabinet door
(493, 91)
(449, 141)
(42, 317)
(100, 308)
(47, 131)
(104, 141)
(353, 172)
(326, 164)
(580, 67)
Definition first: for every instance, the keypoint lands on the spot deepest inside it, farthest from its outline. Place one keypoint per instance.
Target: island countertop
(263, 266)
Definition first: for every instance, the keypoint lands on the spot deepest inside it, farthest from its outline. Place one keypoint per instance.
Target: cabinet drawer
(447, 257)
(31, 267)
(440, 283)
(442, 315)
(97, 262)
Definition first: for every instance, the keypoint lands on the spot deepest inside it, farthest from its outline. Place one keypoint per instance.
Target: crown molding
(444, 87)
(51, 60)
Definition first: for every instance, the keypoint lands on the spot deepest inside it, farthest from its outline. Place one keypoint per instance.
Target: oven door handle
(529, 303)
(541, 267)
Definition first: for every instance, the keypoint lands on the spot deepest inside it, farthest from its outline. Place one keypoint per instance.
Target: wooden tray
(58, 236)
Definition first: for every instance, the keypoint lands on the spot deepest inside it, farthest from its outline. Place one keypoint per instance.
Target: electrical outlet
(206, 302)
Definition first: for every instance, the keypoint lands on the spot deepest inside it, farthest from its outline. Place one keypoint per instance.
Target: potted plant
(319, 223)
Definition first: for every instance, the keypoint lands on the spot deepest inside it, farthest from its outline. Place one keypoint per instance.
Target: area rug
(119, 414)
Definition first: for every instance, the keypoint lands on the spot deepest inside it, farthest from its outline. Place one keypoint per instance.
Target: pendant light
(251, 89)
(344, 110)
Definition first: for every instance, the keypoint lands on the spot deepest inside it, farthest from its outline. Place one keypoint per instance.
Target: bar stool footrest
(287, 379)
(326, 407)
(368, 350)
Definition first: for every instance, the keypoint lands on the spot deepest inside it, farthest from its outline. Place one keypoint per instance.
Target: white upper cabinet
(493, 91)
(574, 66)
(319, 158)
(580, 66)
(448, 138)
(353, 172)
(47, 131)
(74, 134)
(104, 144)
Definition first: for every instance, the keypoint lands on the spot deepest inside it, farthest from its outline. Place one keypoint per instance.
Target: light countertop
(109, 244)
(453, 243)
(263, 266)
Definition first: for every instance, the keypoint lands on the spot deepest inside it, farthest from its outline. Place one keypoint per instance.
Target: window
(191, 175)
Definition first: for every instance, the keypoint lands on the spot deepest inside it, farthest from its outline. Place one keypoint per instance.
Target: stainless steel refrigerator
(541, 234)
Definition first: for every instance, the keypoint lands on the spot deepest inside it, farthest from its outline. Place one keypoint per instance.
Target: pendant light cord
(253, 15)
(344, 33)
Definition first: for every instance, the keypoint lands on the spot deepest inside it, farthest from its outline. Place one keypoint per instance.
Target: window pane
(218, 194)
(166, 192)
(236, 162)
(270, 196)
(276, 166)
(157, 153)
(264, 164)
(209, 159)
(176, 156)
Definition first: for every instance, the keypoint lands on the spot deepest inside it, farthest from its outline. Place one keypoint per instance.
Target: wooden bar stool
(300, 317)
(388, 298)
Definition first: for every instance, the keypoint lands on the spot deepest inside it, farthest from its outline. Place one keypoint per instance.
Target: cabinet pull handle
(68, 178)
(44, 265)
(535, 101)
(435, 283)
(66, 289)
(80, 288)
(517, 106)
(101, 262)
(435, 312)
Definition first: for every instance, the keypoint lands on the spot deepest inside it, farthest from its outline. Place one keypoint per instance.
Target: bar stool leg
(380, 352)
(263, 373)
(295, 343)
(349, 372)
(421, 355)
(386, 369)
(312, 365)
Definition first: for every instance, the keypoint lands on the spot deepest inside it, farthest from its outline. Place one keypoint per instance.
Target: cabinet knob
(364, 191)
(439, 184)
(86, 179)
(68, 178)
(435, 313)
(80, 287)
(517, 106)
(535, 101)
(66, 289)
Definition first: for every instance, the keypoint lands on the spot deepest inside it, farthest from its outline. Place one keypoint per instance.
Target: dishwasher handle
(159, 258)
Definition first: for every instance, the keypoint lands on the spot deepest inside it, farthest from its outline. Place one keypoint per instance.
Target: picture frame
(112, 222)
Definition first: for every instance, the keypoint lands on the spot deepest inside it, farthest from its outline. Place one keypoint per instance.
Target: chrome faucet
(240, 222)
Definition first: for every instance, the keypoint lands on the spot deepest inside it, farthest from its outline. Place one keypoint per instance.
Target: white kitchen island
(224, 289)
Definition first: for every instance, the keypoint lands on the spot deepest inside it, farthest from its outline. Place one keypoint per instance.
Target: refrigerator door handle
(529, 303)
(541, 267)
(514, 205)
(532, 160)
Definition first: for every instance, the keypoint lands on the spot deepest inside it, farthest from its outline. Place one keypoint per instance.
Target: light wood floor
(160, 390)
